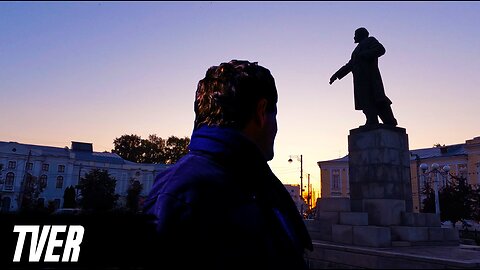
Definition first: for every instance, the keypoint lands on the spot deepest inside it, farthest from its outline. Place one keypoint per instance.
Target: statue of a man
(367, 82)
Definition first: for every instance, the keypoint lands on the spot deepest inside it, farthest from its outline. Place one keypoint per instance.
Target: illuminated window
(29, 166)
(12, 165)
(59, 182)
(41, 202)
(462, 170)
(43, 181)
(336, 179)
(45, 167)
(56, 203)
(9, 180)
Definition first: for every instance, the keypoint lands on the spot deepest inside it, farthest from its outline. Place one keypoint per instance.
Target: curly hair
(228, 94)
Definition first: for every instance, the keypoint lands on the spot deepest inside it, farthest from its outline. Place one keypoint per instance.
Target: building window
(43, 181)
(6, 201)
(29, 166)
(462, 170)
(336, 179)
(348, 184)
(29, 178)
(45, 167)
(56, 203)
(41, 202)
(9, 180)
(61, 168)
(59, 182)
(478, 173)
(12, 165)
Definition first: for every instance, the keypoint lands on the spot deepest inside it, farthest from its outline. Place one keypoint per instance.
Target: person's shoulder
(192, 170)
(194, 178)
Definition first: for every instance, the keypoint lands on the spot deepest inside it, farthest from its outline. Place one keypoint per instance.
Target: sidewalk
(328, 255)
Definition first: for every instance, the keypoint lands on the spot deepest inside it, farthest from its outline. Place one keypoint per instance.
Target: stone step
(328, 216)
(319, 230)
(420, 219)
(401, 244)
(333, 204)
(424, 234)
(410, 234)
(372, 236)
(353, 218)
(342, 234)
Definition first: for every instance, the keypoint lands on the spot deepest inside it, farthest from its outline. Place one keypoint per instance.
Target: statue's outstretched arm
(342, 72)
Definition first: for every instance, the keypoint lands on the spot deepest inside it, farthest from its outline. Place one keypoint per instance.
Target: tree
(476, 203)
(69, 196)
(133, 195)
(97, 191)
(457, 200)
(1, 171)
(176, 148)
(151, 150)
(129, 147)
(31, 190)
(429, 201)
(437, 145)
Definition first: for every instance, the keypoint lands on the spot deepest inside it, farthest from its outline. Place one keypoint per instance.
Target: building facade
(294, 191)
(59, 168)
(462, 159)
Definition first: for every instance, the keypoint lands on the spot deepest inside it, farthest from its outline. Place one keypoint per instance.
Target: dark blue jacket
(221, 207)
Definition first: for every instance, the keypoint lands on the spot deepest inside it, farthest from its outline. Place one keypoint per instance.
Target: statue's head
(360, 34)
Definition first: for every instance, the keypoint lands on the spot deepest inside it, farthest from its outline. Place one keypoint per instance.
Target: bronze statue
(367, 82)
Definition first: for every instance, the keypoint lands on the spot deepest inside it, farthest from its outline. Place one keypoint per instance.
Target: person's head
(240, 95)
(360, 34)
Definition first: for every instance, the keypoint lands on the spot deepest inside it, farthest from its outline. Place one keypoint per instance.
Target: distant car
(446, 224)
(467, 224)
(67, 211)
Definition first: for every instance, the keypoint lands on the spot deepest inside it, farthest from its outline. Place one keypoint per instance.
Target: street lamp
(435, 171)
(299, 158)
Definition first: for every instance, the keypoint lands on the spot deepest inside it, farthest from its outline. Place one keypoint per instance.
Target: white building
(294, 191)
(60, 168)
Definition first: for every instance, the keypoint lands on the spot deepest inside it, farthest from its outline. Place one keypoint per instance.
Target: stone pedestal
(379, 166)
(379, 211)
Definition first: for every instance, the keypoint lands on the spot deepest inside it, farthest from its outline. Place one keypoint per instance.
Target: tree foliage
(97, 191)
(176, 148)
(458, 200)
(31, 189)
(133, 195)
(152, 150)
(69, 198)
(129, 147)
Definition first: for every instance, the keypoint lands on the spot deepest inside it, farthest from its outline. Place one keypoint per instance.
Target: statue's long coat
(367, 81)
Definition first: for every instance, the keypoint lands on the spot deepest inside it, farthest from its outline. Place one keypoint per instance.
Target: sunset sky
(93, 71)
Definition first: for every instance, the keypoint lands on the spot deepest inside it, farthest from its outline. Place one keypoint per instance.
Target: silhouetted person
(220, 206)
(367, 82)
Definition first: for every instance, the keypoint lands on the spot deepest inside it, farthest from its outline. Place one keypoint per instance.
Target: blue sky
(93, 71)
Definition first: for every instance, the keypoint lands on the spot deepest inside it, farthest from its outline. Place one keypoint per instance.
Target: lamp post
(299, 158)
(434, 173)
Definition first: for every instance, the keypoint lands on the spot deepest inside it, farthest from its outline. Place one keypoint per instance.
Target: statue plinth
(379, 210)
(379, 173)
